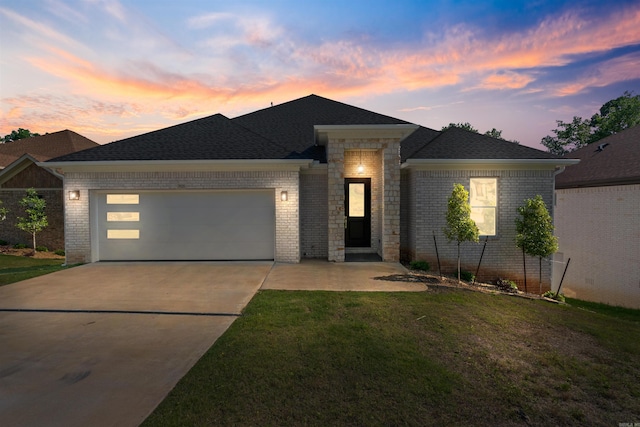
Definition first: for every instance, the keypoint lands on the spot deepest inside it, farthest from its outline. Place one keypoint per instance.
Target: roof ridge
(284, 148)
(426, 143)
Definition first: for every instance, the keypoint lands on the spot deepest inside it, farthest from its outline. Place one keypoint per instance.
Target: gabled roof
(613, 160)
(456, 143)
(291, 123)
(19, 165)
(212, 138)
(44, 147)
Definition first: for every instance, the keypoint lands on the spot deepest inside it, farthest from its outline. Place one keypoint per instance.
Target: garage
(183, 225)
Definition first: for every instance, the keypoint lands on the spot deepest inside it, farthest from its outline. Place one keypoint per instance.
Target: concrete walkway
(321, 275)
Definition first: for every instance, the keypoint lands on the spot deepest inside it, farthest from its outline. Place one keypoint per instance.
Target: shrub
(467, 276)
(506, 285)
(59, 252)
(420, 265)
(3, 242)
(42, 249)
(19, 246)
(552, 295)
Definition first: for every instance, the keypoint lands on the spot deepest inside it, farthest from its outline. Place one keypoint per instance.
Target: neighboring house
(310, 178)
(598, 221)
(19, 171)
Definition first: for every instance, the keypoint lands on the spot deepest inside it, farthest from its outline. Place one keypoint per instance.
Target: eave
(466, 164)
(179, 165)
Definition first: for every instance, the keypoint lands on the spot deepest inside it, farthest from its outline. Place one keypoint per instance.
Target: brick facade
(78, 224)
(51, 237)
(313, 214)
(425, 194)
(599, 229)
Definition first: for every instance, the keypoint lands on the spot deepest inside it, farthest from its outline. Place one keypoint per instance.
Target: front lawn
(441, 357)
(16, 268)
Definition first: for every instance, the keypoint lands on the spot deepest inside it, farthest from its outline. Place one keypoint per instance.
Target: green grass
(607, 310)
(444, 357)
(16, 268)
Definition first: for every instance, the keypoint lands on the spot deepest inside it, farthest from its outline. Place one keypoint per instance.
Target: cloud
(623, 68)
(38, 28)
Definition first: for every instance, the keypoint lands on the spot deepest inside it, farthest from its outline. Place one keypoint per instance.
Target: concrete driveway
(102, 344)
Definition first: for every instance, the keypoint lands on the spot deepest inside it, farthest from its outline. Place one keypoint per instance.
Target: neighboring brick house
(310, 178)
(598, 221)
(19, 171)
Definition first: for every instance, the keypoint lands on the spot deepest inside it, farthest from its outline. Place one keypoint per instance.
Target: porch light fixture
(284, 196)
(360, 165)
(74, 195)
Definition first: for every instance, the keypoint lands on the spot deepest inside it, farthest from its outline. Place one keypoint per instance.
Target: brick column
(391, 202)
(335, 203)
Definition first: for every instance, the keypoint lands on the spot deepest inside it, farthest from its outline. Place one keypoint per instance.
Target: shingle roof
(44, 147)
(286, 131)
(456, 143)
(292, 123)
(214, 138)
(617, 162)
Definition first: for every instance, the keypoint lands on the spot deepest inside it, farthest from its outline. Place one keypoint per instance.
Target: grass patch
(436, 358)
(607, 310)
(16, 268)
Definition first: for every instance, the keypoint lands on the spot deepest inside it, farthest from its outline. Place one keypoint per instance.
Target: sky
(111, 69)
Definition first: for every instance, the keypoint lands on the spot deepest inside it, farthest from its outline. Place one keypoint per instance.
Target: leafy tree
(36, 219)
(465, 126)
(569, 136)
(460, 227)
(494, 133)
(3, 212)
(534, 233)
(614, 116)
(18, 134)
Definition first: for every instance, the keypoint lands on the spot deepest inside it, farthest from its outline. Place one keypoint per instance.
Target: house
(597, 219)
(310, 178)
(19, 171)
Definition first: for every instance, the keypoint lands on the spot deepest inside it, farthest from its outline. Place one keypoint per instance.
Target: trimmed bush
(552, 295)
(467, 276)
(59, 252)
(3, 242)
(19, 246)
(420, 265)
(42, 249)
(506, 285)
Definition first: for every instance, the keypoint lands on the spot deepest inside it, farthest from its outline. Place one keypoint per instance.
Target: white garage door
(185, 225)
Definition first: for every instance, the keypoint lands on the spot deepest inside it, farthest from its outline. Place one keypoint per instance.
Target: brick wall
(599, 229)
(52, 237)
(426, 213)
(313, 214)
(77, 213)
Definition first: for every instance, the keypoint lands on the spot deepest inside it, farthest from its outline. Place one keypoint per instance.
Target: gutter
(466, 163)
(179, 165)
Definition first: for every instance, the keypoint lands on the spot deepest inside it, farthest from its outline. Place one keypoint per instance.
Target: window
(484, 203)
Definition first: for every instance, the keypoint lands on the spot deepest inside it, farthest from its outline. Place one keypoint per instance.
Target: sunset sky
(111, 69)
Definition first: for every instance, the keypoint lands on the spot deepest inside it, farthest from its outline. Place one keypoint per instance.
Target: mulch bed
(28, 252)
(436, 282)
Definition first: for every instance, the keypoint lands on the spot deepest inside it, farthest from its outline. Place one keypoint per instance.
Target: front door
(357, 208)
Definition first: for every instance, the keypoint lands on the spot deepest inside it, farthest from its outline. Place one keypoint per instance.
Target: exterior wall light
(74, 195)
(360, 168)
(284, 196)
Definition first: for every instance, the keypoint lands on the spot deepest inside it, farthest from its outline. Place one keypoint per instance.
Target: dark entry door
(358, 212)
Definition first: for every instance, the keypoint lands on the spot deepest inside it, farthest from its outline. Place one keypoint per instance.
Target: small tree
(36, 220)
(534, 233)
(3, 212)
(460, 227)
